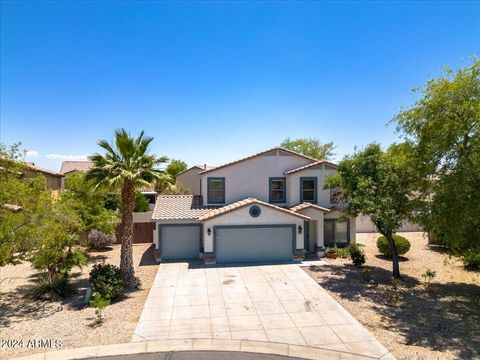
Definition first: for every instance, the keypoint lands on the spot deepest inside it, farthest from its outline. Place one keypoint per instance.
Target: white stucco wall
(293, 186)
(250, 178)
(190, 180)
(241, 216)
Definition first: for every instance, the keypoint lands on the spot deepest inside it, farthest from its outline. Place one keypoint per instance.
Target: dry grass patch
(438, 321)
(70, 320)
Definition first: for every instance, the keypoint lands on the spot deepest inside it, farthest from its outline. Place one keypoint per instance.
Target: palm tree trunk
(396, 265)
(126, 235)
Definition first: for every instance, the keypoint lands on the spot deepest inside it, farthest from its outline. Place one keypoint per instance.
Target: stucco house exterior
(190, 180)
(54, 181)
(270, 206)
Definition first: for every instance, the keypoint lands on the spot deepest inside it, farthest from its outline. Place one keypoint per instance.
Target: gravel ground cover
(436, 321)
(69, 321)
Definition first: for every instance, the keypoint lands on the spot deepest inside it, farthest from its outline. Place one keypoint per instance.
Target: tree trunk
(396, 266)
(126, 235)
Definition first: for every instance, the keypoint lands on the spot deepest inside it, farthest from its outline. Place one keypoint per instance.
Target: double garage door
(253, 244)
(232, 244)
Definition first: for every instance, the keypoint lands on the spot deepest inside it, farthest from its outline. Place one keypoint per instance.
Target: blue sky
(215, 81)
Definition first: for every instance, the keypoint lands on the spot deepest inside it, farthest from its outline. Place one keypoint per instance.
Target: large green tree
(443, 127)
(22, 207)
(126, 165)
(310, 147)
(376, 183)
(90, 203)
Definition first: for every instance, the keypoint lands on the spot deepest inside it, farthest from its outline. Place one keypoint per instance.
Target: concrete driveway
(271, 303)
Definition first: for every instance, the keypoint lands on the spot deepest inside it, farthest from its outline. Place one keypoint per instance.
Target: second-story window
(277, 190)
(308, 189)
(216, 190)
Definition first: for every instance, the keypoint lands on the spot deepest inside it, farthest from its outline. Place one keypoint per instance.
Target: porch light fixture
(209, 231)
(299, 229)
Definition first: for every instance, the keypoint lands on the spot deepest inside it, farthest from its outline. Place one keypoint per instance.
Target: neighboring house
(190, 179)
(55, 181)
(267, 207)
(70, 166)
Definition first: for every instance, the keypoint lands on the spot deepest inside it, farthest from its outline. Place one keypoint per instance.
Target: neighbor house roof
(239, 204)
(260, 154)
(199, 167)
(308, 166)
(33, 167)
(179, 207)
(306, 205)
(69, 166)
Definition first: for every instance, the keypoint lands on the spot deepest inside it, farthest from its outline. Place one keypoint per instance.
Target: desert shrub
(141, 203)
(366, 273)
(46, 288)
(106, 280)
(471, 260)
(428, 276)
(342, 252)
(99, 303)
(403, 245)
(357, 255)
(99, 240)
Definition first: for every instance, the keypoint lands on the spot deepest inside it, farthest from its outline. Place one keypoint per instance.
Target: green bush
(342, 252)
(357, 255)
(141, 203)
(471, 260)
(403, 245)
(106, 280)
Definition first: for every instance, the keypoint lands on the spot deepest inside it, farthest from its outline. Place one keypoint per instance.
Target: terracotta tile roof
(68, 166)
(260, 154)
(179, 207)
(306, 205)
(33, 167)
(305, 167)
(239, 204)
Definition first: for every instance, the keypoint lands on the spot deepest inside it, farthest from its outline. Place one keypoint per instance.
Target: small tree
(58, 252)
(376, 183)
(175, 167)
(310, 147)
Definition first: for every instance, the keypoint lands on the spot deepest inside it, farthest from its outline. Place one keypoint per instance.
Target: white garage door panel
(180, 242)
(254, 244)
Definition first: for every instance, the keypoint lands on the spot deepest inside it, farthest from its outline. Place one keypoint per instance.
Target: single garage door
(180, 242)
(254, 244)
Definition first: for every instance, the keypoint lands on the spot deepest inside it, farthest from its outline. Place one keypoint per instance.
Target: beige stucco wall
(318, 216)
(241, 216)
(52, 182)
(293, 186)
(365, 225)
(190, 180)
(250, 178)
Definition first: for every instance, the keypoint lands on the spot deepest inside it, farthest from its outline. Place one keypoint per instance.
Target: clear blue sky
(216, 81)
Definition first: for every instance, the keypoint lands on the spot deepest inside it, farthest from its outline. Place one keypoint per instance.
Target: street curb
(261, 347)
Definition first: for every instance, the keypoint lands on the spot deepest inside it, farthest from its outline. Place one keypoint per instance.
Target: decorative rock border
(304, 352)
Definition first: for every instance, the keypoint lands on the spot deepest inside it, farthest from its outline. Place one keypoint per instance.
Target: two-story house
(267, 207)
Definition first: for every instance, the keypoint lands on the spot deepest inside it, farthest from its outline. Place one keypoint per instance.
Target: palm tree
(126, 166)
